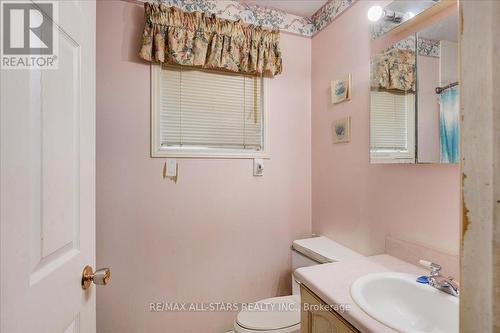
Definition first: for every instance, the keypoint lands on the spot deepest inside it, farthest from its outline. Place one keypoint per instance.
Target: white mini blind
(203, 109)
(391, 121)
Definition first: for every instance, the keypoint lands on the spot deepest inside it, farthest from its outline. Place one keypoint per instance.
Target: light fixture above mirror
(384, 19)
(375, 13)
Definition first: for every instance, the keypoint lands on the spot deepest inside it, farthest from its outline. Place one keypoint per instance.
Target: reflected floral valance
(394, 70)
(195, 39)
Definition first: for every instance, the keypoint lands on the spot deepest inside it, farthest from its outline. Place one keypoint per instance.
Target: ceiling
(305, 8)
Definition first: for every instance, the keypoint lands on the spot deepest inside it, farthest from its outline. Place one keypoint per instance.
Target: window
(199, 113)
(392, 127)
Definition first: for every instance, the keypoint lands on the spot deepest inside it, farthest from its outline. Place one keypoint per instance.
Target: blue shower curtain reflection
(448, 125)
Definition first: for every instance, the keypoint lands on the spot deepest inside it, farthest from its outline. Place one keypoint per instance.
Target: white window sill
(391, 157)
(208, 153)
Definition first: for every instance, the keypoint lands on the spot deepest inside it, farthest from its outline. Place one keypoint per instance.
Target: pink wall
(356, 203)
(219, 234)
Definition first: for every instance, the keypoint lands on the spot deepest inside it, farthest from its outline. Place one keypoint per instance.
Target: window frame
(201, 152)
(392, 156)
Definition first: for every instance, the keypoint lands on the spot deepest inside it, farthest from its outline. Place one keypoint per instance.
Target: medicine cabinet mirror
(414, 89)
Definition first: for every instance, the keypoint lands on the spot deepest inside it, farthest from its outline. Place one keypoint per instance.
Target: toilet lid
(271, 313)
(324, 250)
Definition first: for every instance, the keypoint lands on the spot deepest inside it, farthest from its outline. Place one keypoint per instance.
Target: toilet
(282, 314)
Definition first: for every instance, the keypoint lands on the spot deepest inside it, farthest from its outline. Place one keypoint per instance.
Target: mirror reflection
(438, 97)
(414, 97)
(392, 103)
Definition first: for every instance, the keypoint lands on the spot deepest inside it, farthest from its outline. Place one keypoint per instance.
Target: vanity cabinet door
(315, 318)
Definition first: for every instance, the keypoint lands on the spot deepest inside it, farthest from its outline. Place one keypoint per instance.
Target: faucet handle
(435, 268)
(453, 286)
(453, 282)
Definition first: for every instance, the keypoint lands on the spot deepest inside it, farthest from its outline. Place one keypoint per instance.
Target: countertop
(332, 283)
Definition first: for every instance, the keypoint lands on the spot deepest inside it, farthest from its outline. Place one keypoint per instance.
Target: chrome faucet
(436, 280)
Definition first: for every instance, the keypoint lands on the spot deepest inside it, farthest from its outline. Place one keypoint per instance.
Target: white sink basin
(398, 301)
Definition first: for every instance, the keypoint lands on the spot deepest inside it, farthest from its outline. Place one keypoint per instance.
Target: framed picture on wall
(341, 90)
(341, 129)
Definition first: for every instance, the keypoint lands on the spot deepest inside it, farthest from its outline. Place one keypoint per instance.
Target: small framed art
(341, 90)
(341, 129)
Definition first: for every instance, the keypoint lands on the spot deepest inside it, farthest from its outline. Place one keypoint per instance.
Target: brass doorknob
(101, 276)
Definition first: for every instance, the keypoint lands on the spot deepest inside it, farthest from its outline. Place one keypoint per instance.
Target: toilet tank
(316, 251)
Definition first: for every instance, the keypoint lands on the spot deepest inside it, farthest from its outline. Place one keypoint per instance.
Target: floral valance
(196, 39)
(394, 70)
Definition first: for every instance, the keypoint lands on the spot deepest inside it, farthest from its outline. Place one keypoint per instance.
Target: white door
(47, 194)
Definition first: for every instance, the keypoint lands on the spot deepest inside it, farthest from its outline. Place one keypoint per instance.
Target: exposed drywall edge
(465, 211)
(480, 165)
(496, 163)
